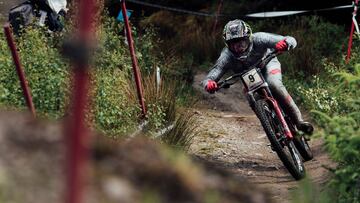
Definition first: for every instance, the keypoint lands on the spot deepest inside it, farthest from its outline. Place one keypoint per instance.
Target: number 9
(251, 78)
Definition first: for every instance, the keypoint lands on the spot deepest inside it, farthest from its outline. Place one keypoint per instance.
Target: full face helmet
(237, 36)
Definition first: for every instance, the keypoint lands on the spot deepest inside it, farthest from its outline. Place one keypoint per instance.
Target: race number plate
(252, 79)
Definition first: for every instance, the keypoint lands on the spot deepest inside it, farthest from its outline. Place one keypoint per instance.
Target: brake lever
(222, 85)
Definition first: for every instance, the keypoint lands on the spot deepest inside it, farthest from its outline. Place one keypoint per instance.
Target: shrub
(159, 101)
(343, 141)
(341, 132)
(45, 70)
(182, 131)
(114, 113)
(114, 108)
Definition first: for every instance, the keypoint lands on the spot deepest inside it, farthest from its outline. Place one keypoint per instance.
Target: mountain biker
(243, 49)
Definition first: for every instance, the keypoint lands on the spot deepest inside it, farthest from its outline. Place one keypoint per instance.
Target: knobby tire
(287, 154)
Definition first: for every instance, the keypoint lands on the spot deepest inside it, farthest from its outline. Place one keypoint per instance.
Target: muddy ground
(233, 138)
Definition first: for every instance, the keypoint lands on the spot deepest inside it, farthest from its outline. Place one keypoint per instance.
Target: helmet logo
(236, 29)
(233, 29)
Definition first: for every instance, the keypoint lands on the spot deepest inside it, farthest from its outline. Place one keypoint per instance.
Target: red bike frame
(279, 114)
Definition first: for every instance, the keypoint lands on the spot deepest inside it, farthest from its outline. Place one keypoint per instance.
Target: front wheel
(300, 142)
(303, 147)
(284, 148)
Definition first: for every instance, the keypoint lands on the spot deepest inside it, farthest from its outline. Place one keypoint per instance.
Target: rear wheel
(284, 148)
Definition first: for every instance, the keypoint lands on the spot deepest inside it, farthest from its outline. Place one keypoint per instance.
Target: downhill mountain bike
(291, 146)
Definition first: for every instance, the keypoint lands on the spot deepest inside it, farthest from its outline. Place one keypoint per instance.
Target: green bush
(334, 98)
(316, 94)
(342, 135)
(114, 109)
(45, 70)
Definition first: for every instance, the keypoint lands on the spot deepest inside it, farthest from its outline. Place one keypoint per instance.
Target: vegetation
(315, 72)
(45, 71)
(342, 135)
(317, 76)
(182, 132)
(114, 109)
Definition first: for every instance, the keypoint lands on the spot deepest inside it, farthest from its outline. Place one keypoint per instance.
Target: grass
(183, 131)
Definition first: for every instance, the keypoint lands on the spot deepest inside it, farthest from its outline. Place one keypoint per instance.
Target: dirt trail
(233, 138)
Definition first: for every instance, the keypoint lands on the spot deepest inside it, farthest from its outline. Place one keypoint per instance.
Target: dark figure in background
(243, 49)
(44, 12)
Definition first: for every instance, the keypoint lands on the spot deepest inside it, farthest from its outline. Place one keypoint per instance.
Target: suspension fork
(279, 114)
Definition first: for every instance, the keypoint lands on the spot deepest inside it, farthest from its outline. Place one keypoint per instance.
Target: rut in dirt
(232, 138)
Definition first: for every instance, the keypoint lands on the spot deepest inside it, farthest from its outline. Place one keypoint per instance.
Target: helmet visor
(239, 46)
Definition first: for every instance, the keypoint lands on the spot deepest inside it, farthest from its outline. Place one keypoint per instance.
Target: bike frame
(263, 90)
(280, 116)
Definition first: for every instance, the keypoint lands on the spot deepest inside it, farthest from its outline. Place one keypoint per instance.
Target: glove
(211, 86)
(281, 46)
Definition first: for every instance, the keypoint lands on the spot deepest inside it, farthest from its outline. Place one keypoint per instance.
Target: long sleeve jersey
(262, 43)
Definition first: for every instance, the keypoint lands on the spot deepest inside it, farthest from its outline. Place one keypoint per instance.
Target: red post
(217, 16)
(77, 137)
(351, 32)
(77, 151)
(19, 69)
(134, 60)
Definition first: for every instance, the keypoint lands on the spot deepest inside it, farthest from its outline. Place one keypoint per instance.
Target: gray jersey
(261, 44)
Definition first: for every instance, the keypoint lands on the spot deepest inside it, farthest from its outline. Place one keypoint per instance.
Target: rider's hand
(281, 46)
(211, 86)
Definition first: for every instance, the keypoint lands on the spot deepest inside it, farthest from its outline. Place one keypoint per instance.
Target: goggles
(238, 46)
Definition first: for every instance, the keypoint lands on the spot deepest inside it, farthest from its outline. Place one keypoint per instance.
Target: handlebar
(262, 62)
(225, 83)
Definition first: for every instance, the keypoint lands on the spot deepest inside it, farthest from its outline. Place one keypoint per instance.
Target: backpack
(21, 16)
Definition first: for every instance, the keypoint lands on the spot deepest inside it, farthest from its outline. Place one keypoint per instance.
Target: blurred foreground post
(136, 70)
(77, 137)
(19, 69)
(356, 3)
